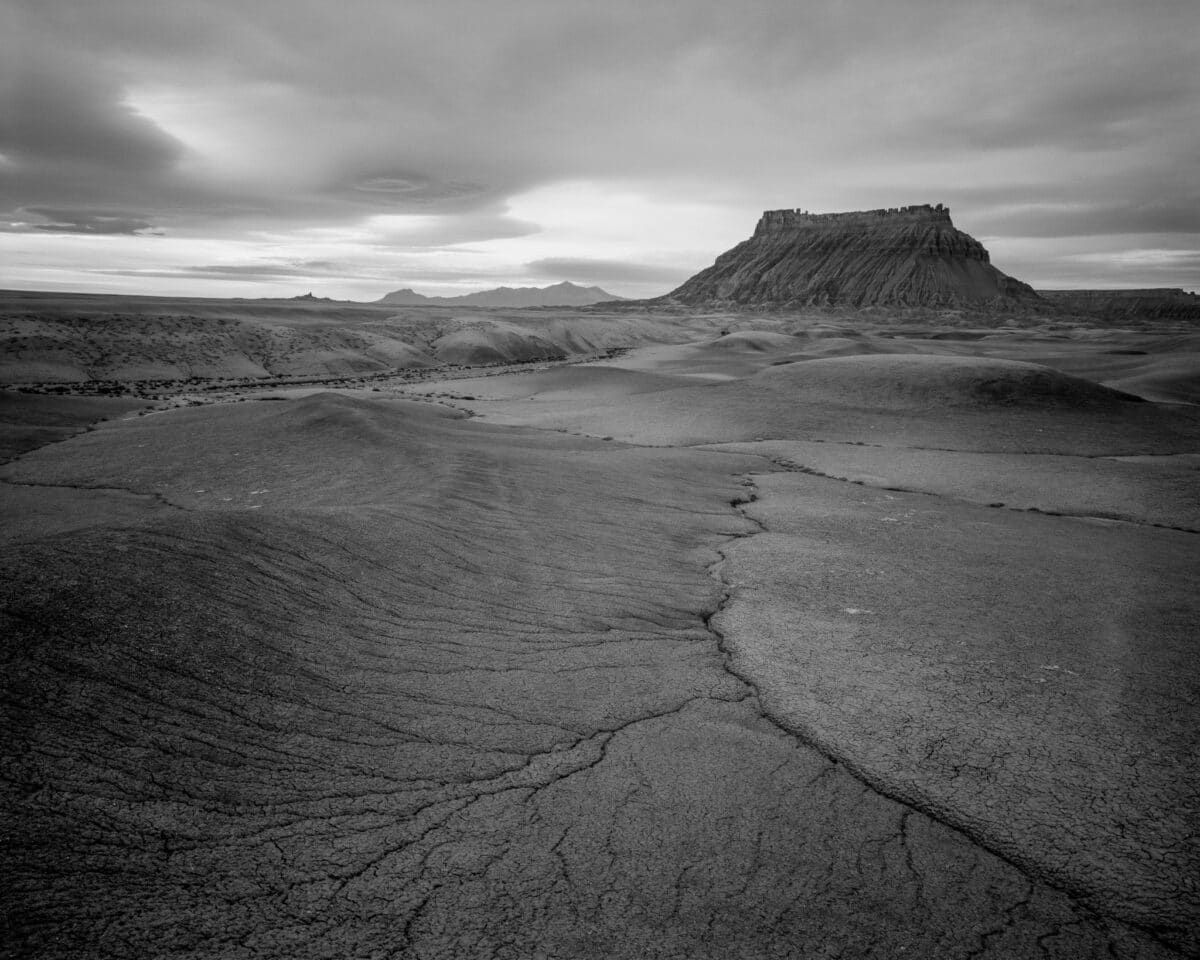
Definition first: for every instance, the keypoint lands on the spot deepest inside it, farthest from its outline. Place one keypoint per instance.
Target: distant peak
(564, 293)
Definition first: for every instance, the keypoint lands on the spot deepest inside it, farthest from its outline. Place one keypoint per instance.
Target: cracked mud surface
(954, 656)
(339, 677)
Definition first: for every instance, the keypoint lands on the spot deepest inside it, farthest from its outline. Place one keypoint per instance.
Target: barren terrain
(660, 635)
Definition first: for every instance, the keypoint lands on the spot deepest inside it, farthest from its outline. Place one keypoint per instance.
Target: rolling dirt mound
(325, 449)
(572, 382)
(479, 340)
(942, 399)
(332, 418)
(753, 341)
(918, 380)
(28, 421)
(1155, 367)
(1167, 379)
(493, 341)
(819, 348)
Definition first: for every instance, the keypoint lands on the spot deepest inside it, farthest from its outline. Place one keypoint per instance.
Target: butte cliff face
(905, 256)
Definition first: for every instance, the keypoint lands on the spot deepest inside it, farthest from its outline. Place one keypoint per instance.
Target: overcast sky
(271, 147)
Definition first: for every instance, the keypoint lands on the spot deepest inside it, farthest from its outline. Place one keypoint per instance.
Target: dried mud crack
(1109, 516)
(913, 803)
(398, 684)
(841, 661)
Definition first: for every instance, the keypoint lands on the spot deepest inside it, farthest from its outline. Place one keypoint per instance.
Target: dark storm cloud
(263, 270)
(70, 135)
(1084, 108)
(57, 113)
(583, 270)
(1099, 219)
(88, 221)
(68, 142)
(302, 269)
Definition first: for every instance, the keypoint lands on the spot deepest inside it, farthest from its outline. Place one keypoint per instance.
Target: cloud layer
(462, 143)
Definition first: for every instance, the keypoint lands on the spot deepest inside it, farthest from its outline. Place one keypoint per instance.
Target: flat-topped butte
(774, 220)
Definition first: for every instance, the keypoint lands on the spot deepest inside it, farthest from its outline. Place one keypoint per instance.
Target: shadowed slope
(28, 421)
(965, 403)
(922, 381)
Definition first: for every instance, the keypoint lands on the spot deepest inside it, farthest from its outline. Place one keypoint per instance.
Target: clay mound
(328, 425)
(325, 449)
(476, 340)
(1165, 379)
(573, 382)
(824, 347)
(493, 341)
(909, 256)
(922, 380)
(338, 417)
(27, 421)
(754, 341)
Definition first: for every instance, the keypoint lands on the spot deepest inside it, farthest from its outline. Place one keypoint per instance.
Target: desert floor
(799, 640)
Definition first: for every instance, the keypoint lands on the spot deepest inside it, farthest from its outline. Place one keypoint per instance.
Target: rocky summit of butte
(902, 256)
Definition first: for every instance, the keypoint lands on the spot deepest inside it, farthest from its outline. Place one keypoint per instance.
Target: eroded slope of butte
(907, 256)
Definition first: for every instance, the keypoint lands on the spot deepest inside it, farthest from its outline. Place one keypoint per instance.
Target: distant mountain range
(565, 294)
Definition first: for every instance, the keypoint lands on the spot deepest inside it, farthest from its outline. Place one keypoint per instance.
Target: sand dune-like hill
(875, 395)
(907, 256)
(886, 381)
(557, 383)
(28, 422)
(752, 341)
(1160, 368)
(493, 342)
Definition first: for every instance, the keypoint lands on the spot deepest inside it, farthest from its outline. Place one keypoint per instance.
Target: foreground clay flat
(893, 659)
